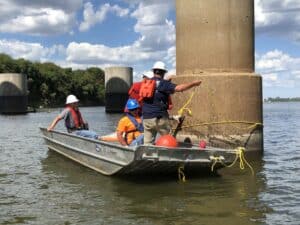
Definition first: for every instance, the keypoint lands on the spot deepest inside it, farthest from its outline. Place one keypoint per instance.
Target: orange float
(167, 141)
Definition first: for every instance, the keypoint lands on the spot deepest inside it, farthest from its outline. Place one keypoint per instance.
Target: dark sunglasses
(159, 72)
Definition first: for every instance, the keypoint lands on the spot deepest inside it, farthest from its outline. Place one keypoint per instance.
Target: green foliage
(49, 84)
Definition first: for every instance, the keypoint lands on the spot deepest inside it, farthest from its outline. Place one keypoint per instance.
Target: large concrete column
(13, 93)
(215, 43)
(118, 80)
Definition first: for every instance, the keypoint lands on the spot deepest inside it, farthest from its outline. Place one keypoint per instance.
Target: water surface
(38, 186)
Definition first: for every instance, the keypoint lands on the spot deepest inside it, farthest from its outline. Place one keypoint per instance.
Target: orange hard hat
(167, 141)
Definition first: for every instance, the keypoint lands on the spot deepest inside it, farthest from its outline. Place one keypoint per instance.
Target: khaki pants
(154, 126)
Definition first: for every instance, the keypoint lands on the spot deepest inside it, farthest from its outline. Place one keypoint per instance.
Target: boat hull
(111, 158)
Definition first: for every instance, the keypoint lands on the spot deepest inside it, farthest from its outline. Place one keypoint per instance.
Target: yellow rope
(240, 154)
(253, 124)
(181, 176)
(189, 111)
(185, 108)
(217, 159)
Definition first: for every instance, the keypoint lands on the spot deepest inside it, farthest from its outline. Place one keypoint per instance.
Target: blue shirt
(157, 107)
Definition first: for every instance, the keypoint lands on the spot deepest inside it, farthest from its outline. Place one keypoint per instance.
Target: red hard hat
(167, 141)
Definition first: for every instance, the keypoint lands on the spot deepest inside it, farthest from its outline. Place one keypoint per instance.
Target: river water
(38, 186)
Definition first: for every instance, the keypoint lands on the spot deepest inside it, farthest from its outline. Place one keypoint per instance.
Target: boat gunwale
(84, 152)
(149, 147)
(130, 149)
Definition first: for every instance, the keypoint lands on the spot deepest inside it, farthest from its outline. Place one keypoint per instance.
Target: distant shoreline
(278, 99)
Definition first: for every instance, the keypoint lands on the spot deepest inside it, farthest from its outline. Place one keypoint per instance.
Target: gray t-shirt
(67, 116)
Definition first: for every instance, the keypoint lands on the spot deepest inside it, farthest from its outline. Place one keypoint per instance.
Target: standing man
(155, 108)
(73, 119)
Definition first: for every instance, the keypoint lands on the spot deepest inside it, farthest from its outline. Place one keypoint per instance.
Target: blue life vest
(138, 126)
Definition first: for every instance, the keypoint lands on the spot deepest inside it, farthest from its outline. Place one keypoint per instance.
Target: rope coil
(240, 154)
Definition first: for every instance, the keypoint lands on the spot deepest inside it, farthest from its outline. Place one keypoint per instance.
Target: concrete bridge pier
(118, 80)
(215, 43)
(13, 93)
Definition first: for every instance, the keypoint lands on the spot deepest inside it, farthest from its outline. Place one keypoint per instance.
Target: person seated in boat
(73, 119)
(130, 127)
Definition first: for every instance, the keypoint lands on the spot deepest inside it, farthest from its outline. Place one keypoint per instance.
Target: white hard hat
(71, 99)
(148, 74)
(160, 66)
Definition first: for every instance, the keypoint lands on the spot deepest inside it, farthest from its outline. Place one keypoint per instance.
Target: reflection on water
(38, 186)
(159, 200)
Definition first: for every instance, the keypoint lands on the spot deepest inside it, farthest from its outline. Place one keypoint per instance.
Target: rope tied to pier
(240, 151)
(240, 154)
(196, 124)
(252, 124)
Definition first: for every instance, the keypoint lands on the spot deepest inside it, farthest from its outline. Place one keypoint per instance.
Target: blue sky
(136, 33)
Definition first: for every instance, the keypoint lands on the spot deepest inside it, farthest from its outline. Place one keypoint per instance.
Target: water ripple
(40, 187)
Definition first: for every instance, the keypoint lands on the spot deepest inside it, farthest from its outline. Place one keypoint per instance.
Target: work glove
(178, 118)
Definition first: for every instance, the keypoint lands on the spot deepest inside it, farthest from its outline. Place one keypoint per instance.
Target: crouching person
(130, 128)
(73, 119)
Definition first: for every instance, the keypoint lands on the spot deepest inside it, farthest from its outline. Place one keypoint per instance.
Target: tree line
(278, 99)
(49, 84)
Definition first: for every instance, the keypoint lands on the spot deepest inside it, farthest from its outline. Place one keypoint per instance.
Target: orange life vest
(147, 88)
(133, 93)
(77, 118)
(135, 90)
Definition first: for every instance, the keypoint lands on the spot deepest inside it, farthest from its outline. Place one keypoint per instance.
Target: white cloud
(38, 17)
(65, 5)
(278, 69)
(156, 31)
(156, 40)
(30, 51)
(270, 79)
(278, 17)
(82, 53)
(171, 58)
(39, 21)
(92, 17)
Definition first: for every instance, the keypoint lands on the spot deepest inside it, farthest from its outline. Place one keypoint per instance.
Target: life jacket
(147, 90)
(77, 118)
(138, 127)
(133, 93)
(135, 90)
